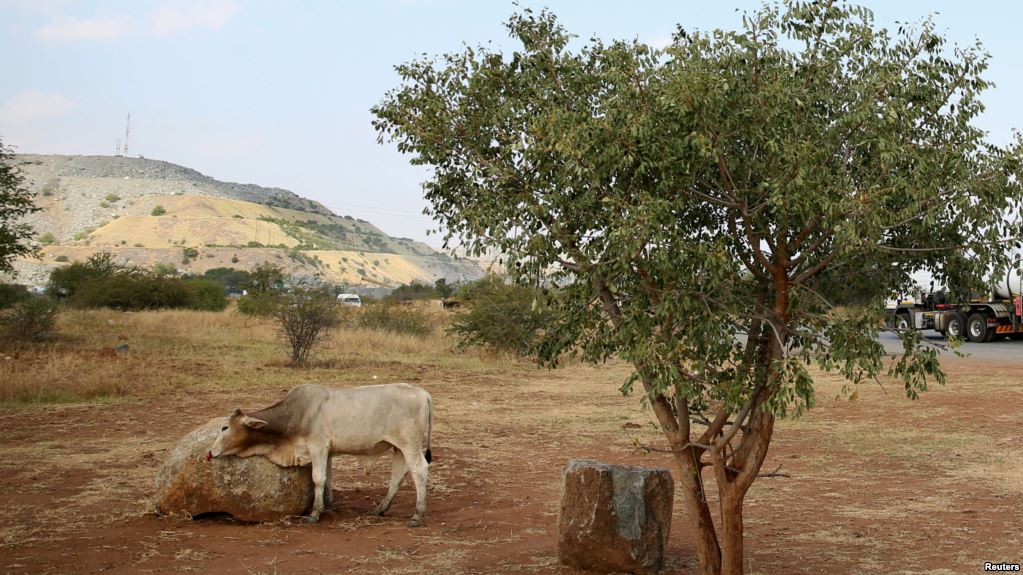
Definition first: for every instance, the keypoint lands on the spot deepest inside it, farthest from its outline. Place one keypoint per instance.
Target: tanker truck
(973, 316)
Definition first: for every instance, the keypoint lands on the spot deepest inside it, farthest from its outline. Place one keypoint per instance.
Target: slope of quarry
(147, 212)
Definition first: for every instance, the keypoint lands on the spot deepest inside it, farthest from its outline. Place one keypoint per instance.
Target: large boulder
(614, 517)
(249, 489)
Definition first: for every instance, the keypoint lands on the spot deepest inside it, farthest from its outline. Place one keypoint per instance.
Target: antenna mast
(127, 130)
(118, 147)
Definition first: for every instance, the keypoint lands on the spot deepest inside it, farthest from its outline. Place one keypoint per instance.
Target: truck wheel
(977, 329)
(955, 327)
(902, 321)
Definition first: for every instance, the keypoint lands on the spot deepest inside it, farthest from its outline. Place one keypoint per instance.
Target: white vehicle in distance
(349, 299)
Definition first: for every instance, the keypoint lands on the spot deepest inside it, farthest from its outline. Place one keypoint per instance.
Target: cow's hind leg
(420, 472)
(328, 492)
(398, 471)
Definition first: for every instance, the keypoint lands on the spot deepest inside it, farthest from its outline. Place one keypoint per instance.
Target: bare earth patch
(879, 485)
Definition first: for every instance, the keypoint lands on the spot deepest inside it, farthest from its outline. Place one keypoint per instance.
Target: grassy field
(878, 485)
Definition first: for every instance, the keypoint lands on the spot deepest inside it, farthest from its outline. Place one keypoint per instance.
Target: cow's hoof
(313, 519)
(378, 512)
(415, 523)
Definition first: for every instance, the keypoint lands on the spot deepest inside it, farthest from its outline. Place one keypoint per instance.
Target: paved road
(1003, 350)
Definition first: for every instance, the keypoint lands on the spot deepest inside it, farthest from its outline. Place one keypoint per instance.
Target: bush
(501, 316)
(158, 211)
(65, 281)
(11, 294)
(207, 295)
(395, 319)
(305, 317)
(60, 258)
(258, 304)
(126, 291)
(232, 279)
(137, 290)
(31, 320)
(47, 239)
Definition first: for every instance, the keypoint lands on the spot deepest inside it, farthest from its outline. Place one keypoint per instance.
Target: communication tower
(127, 130)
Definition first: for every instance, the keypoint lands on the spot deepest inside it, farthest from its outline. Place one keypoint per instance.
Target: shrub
(113, 198)
(231, 279)
(47, 239)
(11, 294)
(60, 258)
(158, 211)
(305, 317)
(127, 291)
(190, 253)
(395, 319)
(500, 316)
(162, 269)
(206, 295)
(31, 320)
(65, 281)
(257, 304)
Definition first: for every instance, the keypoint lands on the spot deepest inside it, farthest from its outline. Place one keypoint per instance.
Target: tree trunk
(731, 531)
(695, 501)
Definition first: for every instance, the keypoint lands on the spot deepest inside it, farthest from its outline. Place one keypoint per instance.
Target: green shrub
(47, 239)
(207, 295)
(60, 258)
(113, 198)
(190, 253)
(31, 320)
(162, 269)
(258, 304)
(500, 316)
(128, 291)
(11, 294)
(158, 211)
(231, 279)
(395, 319)
(65, 281)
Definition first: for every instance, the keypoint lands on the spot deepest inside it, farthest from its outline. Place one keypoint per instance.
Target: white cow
(314, 422)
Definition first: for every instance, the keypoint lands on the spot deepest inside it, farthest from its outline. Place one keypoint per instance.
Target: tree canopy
(722, 186)
(16, 202)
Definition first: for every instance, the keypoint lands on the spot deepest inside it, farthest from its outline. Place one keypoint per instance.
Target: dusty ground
(879, 484)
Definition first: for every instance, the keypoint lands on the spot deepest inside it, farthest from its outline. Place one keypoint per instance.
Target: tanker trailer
(973, 316)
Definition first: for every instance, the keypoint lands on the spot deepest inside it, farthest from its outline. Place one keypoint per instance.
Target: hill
(148, 211)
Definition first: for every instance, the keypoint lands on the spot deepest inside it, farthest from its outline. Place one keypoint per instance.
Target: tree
(683, 196)
(16, 202)
(501, 316)
(265, 278)
(305, 318)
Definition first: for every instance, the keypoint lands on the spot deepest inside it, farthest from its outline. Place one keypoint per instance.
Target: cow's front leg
(321, 462)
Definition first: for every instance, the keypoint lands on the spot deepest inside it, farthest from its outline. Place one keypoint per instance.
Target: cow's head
(236, 435)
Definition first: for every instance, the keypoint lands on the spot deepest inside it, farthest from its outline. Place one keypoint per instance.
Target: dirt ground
(879, 483)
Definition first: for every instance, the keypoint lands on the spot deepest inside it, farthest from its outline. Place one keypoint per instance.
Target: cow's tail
(429, 429)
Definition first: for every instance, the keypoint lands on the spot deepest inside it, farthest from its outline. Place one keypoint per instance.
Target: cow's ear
(253, 422)
(237, 411)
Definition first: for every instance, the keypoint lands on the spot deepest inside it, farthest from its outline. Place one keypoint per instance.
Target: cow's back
(359, 418)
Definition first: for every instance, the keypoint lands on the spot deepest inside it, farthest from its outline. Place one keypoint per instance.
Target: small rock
(249, 489)
(614, 517)
(631, 425)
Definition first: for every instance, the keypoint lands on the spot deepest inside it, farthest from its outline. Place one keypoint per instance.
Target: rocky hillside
(148, 212)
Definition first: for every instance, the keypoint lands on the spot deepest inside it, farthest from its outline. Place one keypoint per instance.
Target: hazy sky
(278, 93)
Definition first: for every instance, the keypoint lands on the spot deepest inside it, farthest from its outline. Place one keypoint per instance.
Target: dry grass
(876, 482)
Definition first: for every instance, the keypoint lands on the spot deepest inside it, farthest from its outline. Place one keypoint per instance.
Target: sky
(279, 93)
